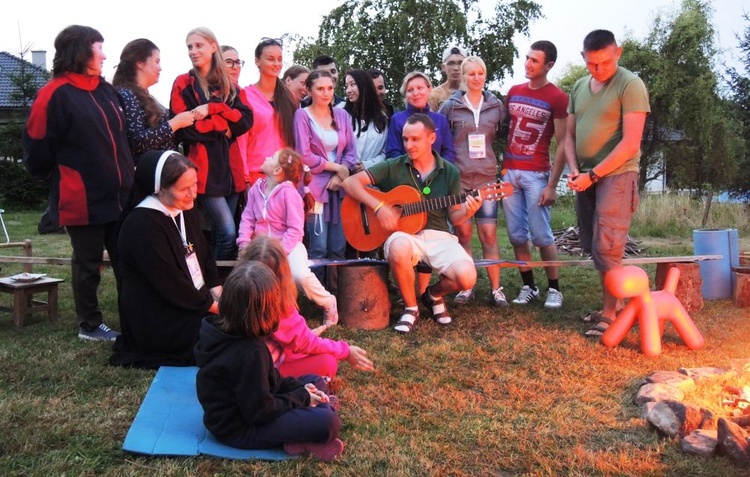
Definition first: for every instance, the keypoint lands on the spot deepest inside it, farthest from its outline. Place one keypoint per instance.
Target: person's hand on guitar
(471, 205)
(388, 217)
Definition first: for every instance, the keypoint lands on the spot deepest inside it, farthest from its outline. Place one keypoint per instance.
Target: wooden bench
(688, 289)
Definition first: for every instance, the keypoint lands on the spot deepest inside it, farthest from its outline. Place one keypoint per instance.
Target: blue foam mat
(170, 422)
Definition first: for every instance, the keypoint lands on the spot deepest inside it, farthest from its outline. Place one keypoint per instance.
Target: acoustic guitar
(364, 232)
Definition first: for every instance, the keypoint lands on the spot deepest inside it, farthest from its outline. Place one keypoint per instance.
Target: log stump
(363, 299)
(741, 297)
(688, 287)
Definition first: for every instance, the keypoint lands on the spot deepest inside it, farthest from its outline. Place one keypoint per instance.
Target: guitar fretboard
(437, 203)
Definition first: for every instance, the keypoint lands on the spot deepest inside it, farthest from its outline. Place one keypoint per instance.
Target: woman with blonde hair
(220, 117)
(475, 117)
(416, 89)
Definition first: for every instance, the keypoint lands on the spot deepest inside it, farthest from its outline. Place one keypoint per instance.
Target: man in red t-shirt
(538, 110)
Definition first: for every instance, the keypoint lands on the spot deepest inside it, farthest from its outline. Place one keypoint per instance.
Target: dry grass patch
(516, 391)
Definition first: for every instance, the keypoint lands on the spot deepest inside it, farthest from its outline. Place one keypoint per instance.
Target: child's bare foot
(326, 452)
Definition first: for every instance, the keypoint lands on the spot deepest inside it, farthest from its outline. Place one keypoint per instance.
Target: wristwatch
(594, 178)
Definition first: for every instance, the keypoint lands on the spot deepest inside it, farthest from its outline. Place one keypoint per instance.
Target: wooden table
(23, 297)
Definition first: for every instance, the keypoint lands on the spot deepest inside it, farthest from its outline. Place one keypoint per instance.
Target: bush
(20, 190)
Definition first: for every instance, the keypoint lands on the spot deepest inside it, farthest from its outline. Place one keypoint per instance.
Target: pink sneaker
(326, 452)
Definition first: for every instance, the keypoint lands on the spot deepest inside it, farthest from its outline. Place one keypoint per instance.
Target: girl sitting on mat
(295, 348)
(246, 402)
(274, 207)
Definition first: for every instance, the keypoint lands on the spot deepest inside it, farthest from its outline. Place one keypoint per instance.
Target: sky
(242, 25)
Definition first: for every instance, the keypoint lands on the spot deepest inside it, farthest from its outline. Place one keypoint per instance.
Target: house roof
(10, 64)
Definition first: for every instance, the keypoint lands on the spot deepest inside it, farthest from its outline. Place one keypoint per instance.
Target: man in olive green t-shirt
(606, 116)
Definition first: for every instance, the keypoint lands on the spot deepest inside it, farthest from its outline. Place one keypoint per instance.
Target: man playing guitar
(425, 171)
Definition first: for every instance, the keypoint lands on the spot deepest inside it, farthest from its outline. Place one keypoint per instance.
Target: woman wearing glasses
(220, 117)
(149, 126)
(232, 62)
(273, 110)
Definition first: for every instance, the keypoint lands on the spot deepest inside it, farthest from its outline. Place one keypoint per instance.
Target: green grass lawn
(514, 391)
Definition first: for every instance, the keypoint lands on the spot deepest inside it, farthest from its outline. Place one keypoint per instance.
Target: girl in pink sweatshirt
(275, 208)
(296, 349)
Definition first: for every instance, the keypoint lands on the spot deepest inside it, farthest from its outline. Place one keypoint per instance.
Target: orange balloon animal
(650, 309)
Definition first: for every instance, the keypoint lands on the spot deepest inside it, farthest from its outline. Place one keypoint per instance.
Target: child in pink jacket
(275, 208)
(296, 349)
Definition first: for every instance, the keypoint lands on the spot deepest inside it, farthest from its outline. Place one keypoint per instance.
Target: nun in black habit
(169, 280)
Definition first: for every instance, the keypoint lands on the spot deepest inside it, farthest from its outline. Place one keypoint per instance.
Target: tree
(739, 86)
(676, 63)
(25, 83)
(398, 36)
(569, 75)
(19, 189)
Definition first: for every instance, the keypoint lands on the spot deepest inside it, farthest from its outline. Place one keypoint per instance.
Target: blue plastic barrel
(717, 276)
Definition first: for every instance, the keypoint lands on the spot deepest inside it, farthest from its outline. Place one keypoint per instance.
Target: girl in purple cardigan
(324, 139)
(274, 208)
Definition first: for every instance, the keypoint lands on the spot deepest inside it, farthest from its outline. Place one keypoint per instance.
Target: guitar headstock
(496, 191)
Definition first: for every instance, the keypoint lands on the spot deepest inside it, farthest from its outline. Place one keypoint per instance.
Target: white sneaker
(554, 299)
(498, 297)
(526, 295)
(464, 296)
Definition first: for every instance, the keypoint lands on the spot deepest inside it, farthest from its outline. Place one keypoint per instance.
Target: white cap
(454, 50)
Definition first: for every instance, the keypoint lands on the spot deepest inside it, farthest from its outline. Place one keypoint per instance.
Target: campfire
(707, 408)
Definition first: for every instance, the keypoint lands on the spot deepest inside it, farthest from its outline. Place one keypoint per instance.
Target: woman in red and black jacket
(76, 138)
(221, 116)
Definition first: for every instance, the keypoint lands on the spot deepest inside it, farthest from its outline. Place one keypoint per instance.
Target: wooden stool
(363, 299)
(23, 297)
(741, 297)
(689, 285)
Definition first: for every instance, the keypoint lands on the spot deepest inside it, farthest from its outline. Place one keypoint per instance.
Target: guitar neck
(436, 203)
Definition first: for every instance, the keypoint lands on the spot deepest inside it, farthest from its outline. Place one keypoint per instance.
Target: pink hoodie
(294, 340)
(281, 215)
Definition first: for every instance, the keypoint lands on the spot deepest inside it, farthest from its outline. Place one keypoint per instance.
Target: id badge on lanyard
(195, 270)
(477, 146)
(191, 258)
(477, 141)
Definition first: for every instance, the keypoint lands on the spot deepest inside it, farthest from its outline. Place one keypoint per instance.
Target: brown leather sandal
(443, 318)
(406, 324)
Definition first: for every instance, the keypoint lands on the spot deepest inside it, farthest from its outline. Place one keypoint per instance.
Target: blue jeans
(487, 213)
(523, 214)
(325, 239)
(220, 213)
(302, 424)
